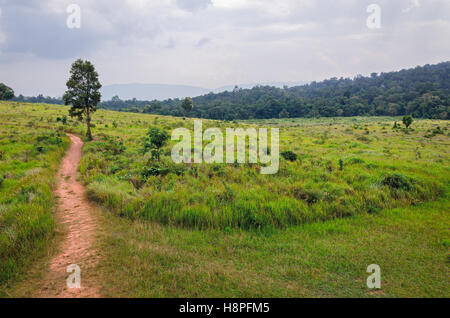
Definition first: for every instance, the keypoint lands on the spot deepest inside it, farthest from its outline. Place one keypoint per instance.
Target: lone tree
(83, 92)
(408, 120)
(187, 105)
(6, 93)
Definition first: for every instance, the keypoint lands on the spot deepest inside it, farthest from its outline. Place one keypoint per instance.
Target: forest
(423, 92)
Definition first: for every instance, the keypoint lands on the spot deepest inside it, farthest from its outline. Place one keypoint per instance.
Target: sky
(213, 43)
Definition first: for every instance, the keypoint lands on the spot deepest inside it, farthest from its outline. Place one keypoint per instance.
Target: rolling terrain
(358, 193)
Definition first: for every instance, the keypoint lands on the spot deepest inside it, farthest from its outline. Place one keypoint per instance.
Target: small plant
(289, 155)
(64, 120)
(39, 148)
(341, 165)
(156, 139)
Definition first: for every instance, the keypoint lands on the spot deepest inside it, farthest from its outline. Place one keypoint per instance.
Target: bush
(397, 181)
(289, 155)
(341, 164)
(156, 139)
(153, 171)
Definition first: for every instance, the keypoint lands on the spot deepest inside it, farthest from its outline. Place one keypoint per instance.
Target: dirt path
(75, 214)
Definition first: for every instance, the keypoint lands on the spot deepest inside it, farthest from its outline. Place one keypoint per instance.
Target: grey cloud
(253, 40)
(42, 34)
(193, 5)
(202, 42)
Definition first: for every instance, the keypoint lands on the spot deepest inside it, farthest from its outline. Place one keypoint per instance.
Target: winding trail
(75, 214)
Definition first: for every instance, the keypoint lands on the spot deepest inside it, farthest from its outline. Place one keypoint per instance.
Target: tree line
(423, 92)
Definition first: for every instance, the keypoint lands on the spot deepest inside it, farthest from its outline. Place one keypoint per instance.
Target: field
(358, 193)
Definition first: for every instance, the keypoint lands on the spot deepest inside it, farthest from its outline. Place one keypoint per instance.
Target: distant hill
(168, 91)
(423, 91)
(151, 91)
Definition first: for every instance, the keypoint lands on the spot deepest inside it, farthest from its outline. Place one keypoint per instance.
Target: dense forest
(423, 92)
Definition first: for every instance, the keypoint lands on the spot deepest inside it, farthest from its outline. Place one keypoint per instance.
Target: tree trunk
(88, 121)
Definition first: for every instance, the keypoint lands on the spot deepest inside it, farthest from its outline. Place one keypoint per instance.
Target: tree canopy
(187, 105)
(423, 92)
(6, 93)
(83, 92)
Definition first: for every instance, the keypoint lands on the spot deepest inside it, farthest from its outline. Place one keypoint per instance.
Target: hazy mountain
(166, 91)
(151, 91)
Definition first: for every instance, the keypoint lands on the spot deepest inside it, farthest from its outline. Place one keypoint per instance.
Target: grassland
(30, 151)
(344, 168)
(359, 193)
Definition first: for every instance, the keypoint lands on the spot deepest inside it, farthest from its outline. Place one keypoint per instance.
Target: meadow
(358, 192)
(30, 152)
(343, 167)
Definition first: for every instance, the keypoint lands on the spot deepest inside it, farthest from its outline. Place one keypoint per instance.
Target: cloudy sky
(212, 43)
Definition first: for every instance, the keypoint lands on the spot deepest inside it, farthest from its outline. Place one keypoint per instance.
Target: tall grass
(30, 157)
(337, 173)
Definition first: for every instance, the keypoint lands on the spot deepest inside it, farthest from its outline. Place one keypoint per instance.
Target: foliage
(6, 92)
(289, 155)
(407, 120)
(423, 92)
(397, 181)
(187, 105)
(83, 92)
(156, 138)
(284, 114)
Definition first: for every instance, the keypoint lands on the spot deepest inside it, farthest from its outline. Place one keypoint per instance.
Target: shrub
(155, 170)
(39, 148)
(289, 155)
(397, 181)
(407, 120)
(156, 139)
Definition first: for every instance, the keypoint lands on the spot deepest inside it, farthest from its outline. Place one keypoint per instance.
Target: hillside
(358, 192)
(423, 92)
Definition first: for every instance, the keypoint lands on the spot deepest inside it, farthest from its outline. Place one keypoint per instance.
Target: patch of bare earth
(75, 214)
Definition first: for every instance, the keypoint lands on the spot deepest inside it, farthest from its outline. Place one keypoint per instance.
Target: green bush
(397, 181)
(289, 155)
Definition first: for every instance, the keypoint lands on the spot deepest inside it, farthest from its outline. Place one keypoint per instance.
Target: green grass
(323, 259)
(311, 188)
(30, 155)
(226, 230)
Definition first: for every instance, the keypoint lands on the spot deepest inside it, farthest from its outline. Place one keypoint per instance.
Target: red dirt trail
(77, 247)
